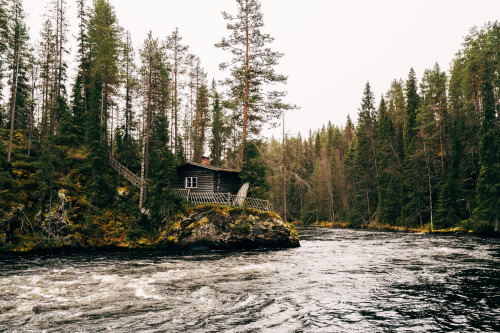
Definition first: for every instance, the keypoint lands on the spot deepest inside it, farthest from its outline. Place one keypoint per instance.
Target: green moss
(242, 228)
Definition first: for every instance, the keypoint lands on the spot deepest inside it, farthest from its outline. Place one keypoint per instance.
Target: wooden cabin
(206, 178)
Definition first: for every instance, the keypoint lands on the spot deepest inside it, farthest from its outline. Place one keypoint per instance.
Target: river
(337, 281)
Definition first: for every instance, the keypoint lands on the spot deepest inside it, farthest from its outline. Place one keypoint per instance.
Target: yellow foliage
(173, 239)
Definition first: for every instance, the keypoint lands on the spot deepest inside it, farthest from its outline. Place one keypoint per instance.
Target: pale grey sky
(332, 47)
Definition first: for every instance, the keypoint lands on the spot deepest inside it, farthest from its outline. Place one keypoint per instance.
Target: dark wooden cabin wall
(205, 178)
(229, 181)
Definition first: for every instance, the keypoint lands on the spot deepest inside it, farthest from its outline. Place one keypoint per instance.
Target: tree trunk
(13, 104)
(245, 101)
(56, 74)
(176, 106)
(32, 111)
(284, 171)
(148, 125)
(496, 222)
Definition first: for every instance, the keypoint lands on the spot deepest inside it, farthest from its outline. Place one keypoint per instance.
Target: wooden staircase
(126, 173)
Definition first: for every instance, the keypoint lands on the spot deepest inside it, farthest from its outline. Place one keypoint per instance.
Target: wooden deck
(228, 199)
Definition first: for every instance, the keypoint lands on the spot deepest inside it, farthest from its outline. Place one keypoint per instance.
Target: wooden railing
(126, 173)
(228, 199)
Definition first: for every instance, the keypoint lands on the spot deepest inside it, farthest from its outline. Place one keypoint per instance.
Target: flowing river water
(337, 281)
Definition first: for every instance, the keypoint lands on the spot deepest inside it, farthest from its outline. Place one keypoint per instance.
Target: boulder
(223, 228)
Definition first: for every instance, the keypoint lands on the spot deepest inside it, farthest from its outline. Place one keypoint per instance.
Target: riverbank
(51, 200)
(200, 228)
(459, 230)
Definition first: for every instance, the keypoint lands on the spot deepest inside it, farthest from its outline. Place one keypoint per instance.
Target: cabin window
(191, 182)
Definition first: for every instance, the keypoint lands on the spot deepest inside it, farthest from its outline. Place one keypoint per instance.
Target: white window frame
(188, 182)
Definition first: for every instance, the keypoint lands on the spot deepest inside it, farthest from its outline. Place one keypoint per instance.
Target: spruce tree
(201, 122)
(104, 44)
(255, 171)
(80, 90)
(411, 214)
(365, 162)
(451, 208)
(100, 190)
(219, 130)
(488, 189)
(388, 171)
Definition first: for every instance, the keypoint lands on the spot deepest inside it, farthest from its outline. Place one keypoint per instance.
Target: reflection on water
(338, 281)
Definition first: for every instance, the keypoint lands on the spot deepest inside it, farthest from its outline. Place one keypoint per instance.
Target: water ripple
(338, 281)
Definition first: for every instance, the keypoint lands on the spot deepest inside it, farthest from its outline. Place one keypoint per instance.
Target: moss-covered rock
(221, 227)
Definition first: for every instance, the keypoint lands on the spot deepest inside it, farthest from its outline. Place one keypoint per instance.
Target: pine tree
(252, 70)
(46, 54)
(58, 102)
(17, 49)
(4, 33)
(128, 152)
(149, 58)
(179, 58)
(155, 84)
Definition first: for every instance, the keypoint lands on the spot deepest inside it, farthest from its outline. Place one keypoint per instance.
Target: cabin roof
(213, 168)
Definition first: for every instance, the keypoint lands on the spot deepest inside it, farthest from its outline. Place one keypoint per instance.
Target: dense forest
(426, 156)
(150, 109)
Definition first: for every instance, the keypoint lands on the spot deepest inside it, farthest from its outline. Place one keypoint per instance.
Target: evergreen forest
(427, 156)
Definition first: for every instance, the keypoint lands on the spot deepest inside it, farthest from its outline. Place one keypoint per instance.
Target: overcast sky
(332, 48)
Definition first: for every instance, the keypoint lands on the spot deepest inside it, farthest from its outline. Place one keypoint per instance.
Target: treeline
(151, 108)
(428, 155)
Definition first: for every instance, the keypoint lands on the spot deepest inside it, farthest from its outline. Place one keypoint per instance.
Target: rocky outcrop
(221, 227)
(56, 221)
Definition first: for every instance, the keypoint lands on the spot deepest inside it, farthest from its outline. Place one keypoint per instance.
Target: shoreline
(388, 228)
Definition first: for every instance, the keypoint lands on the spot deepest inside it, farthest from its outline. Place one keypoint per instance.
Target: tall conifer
(411, 213)
(252, 70)
(388, 175)
(488, 189)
